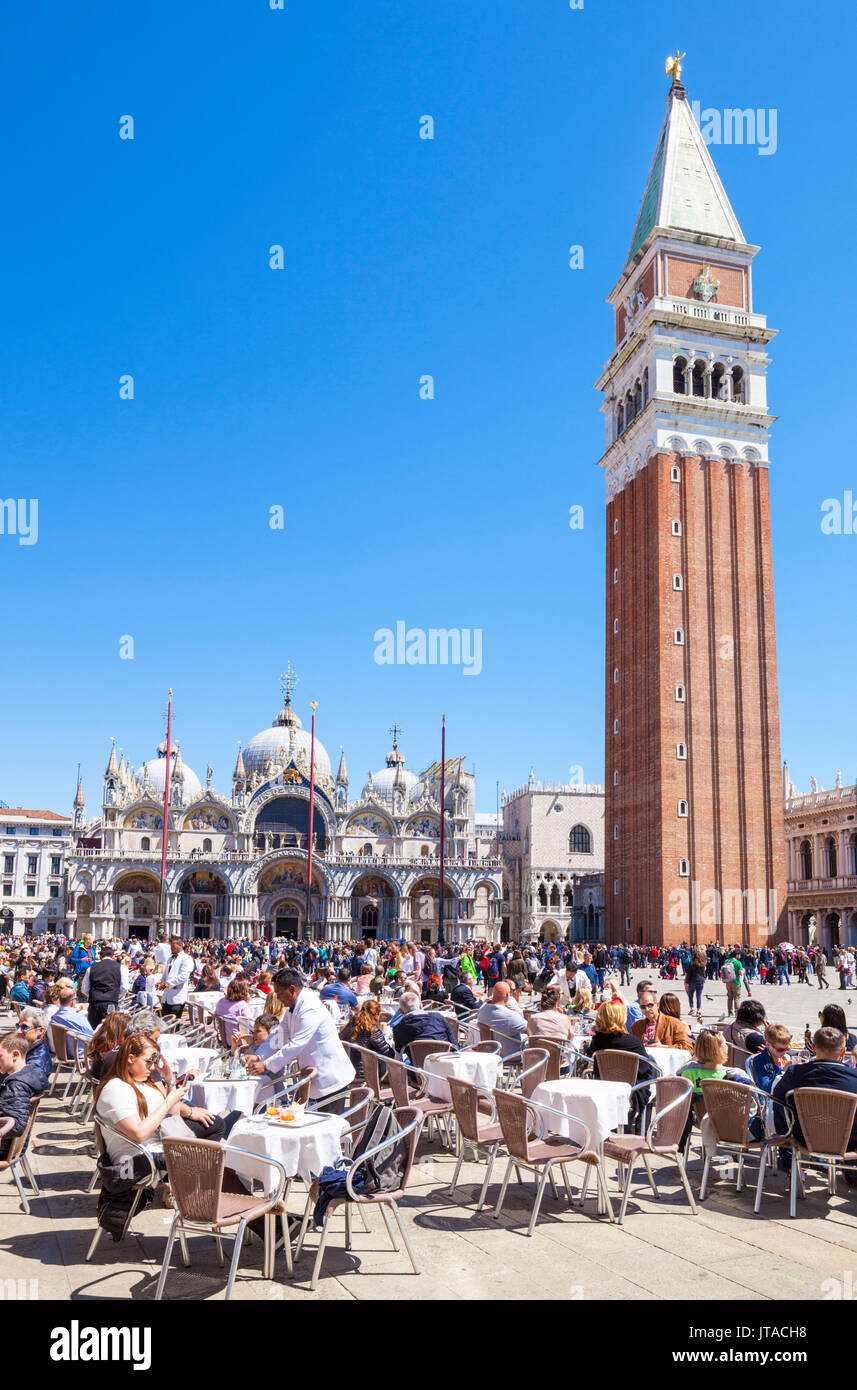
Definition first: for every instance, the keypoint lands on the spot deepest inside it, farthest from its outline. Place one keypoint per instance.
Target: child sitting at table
(263, 1026)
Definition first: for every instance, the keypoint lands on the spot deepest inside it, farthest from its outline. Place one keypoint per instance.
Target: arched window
(555, 896)
(645, 385)
(806, 859)
(678, 636)
(202, 915)
(615, 726)
(738, 386)
(615, 777)
(679, 382)
(852, 853)
(680, 694)
(579, 840)
(543, 896)
(681, 750)
(615, 675)
(145, 843)
(719, 382)
(616, 576)
(675, 474)
(830, 857)
(424, 851)
(699, 377)
(615, 624)
(682, 808)
(676, 528)
(206, 847)
(366, 850)
(684, 867)
(678, 582)
(620, 420)
(615, 526)
(638, 396)
(568, 897)
(615, 832)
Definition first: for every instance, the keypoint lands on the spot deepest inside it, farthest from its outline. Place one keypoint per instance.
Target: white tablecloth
(303, 1148)
(479, 1068)
(217, 1096)
(182, 1057)
(669, 1059)
(207, 999)
(601, 1105)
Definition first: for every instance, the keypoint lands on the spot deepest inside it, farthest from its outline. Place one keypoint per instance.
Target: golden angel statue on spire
(674, 67)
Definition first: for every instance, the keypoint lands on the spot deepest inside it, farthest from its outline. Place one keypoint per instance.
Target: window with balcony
(145, 843)
(206, 846)
(830, 857)
(805, 859)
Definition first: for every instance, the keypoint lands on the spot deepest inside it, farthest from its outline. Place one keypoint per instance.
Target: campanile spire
(694, 829)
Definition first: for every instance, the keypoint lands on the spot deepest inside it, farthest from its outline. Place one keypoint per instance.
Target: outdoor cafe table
(670, 1060)
(218, 1096)
(182, 1056)
(479, 1068)
(303, 1147)
(601, 1105)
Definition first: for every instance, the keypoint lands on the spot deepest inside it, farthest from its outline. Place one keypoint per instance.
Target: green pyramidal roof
(683, 192)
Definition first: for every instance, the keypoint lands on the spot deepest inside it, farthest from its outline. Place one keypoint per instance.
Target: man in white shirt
(306, 1034)
(162, 951)
(370, 955)
(177, 977)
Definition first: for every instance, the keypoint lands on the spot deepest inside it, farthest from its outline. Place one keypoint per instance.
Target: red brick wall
(734, 836)
(680, 275)
(647, 285)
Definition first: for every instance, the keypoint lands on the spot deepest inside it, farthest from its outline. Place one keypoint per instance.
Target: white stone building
(552, 845)
(821, 863)
(34, 846)
(237, 865)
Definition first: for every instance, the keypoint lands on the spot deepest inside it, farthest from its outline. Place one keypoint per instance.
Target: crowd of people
(324, 1002)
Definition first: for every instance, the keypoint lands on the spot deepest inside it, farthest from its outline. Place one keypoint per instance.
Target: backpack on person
(727, 972)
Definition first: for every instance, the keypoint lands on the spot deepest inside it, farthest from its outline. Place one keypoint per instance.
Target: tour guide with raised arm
(306, 1034)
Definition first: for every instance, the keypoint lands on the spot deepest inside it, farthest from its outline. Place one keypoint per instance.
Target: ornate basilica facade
(237, 866)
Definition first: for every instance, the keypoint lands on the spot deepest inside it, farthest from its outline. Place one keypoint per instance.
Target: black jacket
(623, 1042)
(835, 1076)
(16, 1092)
(105, 980)
(464, 997)
(422, 1025)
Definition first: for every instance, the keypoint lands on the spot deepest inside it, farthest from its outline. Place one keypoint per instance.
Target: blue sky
(300, 388)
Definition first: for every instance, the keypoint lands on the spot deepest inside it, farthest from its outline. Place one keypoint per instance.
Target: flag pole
(162, 905)
(313, 707)
(442, 802)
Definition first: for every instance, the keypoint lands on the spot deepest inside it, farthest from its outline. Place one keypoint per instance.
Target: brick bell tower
(695, 847)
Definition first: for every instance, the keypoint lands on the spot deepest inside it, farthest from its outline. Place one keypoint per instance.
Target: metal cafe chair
(729, 1107)
(662, 1139)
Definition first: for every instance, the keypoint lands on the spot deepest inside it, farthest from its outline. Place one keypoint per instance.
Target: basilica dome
(393, 778)
(284, 742)
(151, 777)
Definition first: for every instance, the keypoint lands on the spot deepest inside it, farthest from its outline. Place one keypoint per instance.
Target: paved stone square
(662, 1252)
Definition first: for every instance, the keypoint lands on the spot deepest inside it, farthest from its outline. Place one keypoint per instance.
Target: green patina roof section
(649, 206)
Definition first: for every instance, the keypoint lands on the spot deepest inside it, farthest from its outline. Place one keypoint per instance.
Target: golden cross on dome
(395, 731)
(674, 67)
(287, 680)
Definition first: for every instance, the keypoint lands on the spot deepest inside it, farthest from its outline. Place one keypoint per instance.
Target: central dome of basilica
(284, 742)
